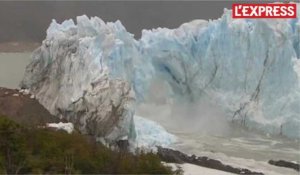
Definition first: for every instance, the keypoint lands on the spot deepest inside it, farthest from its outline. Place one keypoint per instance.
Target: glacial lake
(12, 67)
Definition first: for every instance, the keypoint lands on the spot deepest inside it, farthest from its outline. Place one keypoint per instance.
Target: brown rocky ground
(23, 108)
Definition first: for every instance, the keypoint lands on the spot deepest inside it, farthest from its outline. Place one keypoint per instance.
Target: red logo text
(264, 11)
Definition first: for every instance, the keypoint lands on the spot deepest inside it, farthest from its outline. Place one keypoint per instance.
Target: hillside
(22, 108)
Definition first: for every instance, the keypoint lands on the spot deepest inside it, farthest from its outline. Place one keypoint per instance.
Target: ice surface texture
(79, 74)
(93, 73)
(246, 66)
(150, 134)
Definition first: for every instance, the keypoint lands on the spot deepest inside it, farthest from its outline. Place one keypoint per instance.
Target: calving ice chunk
(150, 134)
(93, 73)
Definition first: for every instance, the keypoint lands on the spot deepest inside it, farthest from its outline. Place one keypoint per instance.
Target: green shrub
(12, 147)
(40, 151)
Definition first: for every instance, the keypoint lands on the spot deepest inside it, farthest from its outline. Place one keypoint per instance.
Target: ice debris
(150, 134)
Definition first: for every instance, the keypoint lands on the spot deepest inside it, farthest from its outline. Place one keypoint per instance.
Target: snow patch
(68, 127)
(24, 91)
(15, 95)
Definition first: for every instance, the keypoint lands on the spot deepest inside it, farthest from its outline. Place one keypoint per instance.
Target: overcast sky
(28, 20)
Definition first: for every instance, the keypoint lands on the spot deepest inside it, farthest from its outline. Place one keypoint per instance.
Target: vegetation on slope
(44, 151)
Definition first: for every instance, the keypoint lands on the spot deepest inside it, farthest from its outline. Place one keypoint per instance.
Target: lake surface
(12, 67)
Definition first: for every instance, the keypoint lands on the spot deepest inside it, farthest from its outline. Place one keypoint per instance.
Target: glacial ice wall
(246, 66)
(92, 73)
(82, 73)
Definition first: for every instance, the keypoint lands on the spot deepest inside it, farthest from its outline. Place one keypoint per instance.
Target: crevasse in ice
(249, 67)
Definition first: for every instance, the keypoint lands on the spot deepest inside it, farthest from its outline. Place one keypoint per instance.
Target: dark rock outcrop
(283, 163)
(174, 156)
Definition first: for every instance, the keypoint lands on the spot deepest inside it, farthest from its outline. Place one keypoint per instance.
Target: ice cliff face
(245, 66)
(92, 73)
(83, 73)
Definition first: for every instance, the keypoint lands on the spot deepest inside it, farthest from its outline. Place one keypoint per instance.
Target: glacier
(245, 66)
(94, 73)
(78, 73)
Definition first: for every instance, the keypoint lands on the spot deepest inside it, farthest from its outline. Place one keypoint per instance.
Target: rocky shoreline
(286, 164)
(174, 156)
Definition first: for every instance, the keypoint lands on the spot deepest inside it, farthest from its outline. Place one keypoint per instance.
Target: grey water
(220, 136)
(12, 67)
(222, 140)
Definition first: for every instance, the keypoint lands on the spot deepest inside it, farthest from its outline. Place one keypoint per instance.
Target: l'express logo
(264, 10)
